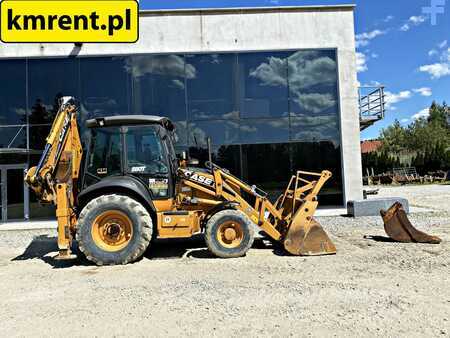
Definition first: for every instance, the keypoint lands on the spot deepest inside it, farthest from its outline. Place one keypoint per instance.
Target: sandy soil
(372, 287)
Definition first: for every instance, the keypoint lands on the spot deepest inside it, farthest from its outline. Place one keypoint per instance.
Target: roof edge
(124, 120)
(248, 9)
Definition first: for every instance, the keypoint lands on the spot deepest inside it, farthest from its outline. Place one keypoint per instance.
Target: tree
(428, 139)
(438, 114)
(394, 138)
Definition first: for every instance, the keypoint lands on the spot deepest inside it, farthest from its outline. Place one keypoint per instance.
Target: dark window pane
(264, 131)
(318, 156)
(39, 210)
(104, 87)
(313, 83)
(263, 84)
(221, 132)
(147, 159)
(144, 151)
(105, 152)
(181, 132)
(210, 89)
(12, 92)
(49, 80)
(314, 96)
(12, 158)
(158, 85)
(224, 156)
(15, 196)
(38, 136)
(317, 128)
(13, 137)
(267, 166)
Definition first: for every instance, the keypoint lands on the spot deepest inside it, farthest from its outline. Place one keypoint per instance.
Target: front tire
(229, 234)
(114, 229)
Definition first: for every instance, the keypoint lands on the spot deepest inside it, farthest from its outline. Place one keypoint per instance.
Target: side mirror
(193, 161)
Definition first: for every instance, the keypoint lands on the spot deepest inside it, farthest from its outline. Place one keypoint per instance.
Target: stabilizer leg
(63, 214)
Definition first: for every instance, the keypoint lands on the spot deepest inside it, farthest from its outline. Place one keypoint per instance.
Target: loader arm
(55, 178)
(289, 221)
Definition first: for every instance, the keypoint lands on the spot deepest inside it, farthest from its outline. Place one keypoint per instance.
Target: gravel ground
(372, 287)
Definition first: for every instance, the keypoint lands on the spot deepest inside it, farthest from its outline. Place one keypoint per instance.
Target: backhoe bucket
(308, 239)
(399, 228)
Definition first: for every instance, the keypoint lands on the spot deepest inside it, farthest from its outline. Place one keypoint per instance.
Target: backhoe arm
(55, 178)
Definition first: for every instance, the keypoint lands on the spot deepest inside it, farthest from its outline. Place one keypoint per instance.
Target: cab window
(105, 152)
(145, 152)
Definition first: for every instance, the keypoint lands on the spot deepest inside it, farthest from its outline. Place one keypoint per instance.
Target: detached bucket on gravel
(399, 228)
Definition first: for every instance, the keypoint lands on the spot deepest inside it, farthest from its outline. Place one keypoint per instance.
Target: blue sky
(397, 46)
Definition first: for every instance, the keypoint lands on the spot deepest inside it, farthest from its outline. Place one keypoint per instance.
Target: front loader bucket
(308, 240)
(399, 228)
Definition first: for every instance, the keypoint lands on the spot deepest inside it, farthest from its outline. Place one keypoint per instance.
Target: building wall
(245, 30)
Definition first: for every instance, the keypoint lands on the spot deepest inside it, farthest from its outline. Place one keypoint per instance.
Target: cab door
(104, 156)
(147, 159)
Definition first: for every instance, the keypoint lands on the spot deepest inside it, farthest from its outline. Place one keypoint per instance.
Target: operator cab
(140, 146)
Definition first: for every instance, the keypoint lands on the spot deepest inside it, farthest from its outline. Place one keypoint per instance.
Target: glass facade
(267, 113)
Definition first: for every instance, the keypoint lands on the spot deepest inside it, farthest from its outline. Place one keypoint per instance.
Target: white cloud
(417, 19)
(313, 128)
(23, 112)
(178, 84)
(436, 70)
(172, 65)
(308, 70)
(424, 91)
(446, 55)
(361, 62)
(363, 39)
(439, 69)
(371, 84)
(271, 73)
(247, 128)
(404, 120)
(424, 113)
(443, 44)
(388, 18)
(316, 102)
(392, 98)
(413, 21)
(405, 27)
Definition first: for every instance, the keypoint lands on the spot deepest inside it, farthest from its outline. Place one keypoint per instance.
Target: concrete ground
(372, 287)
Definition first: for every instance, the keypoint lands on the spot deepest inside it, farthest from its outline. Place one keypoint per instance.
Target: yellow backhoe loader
(128, 187)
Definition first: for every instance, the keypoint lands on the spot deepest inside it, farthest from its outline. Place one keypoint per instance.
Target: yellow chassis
(289, 220)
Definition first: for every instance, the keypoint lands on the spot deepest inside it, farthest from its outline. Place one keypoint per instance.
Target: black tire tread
(209, 235)
(138, 209)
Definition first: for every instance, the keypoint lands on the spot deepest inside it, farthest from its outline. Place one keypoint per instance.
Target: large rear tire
(114, 229)
(229, 234)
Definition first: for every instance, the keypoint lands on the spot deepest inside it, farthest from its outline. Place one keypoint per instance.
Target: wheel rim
(112, 230)
(230, 234)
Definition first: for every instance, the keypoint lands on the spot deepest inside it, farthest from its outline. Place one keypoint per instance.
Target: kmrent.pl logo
(69, 21)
